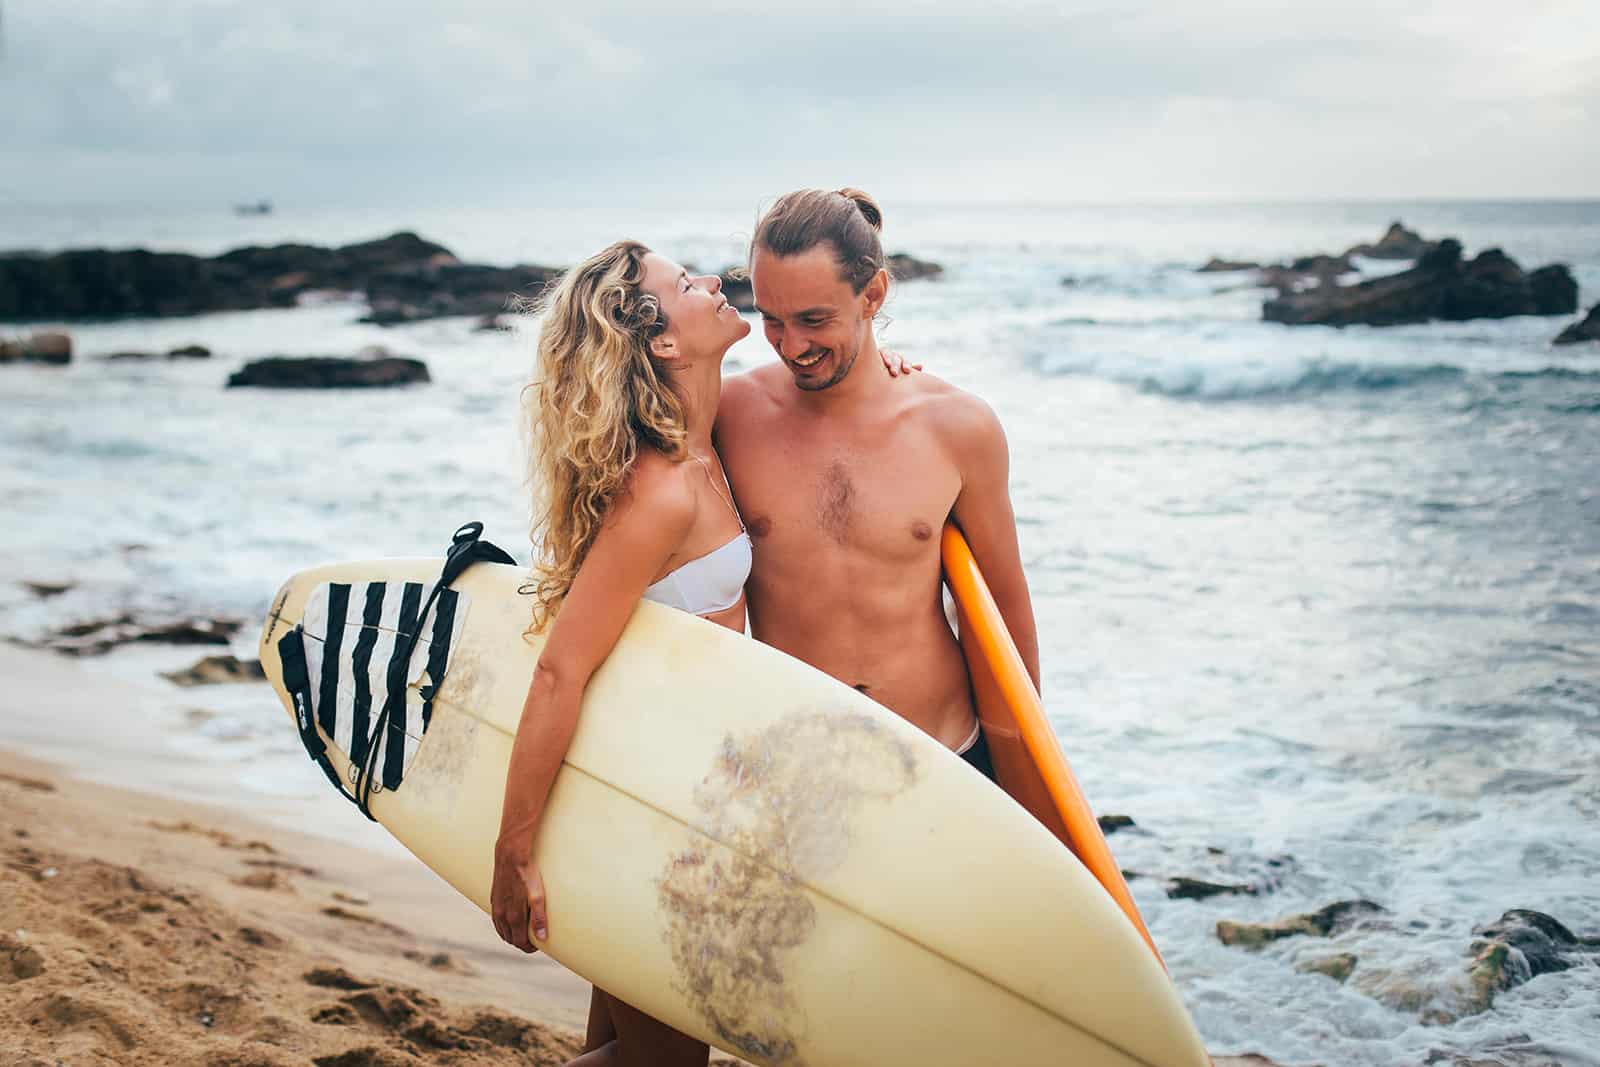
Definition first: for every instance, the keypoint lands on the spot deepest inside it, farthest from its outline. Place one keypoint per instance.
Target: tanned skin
(845, 475)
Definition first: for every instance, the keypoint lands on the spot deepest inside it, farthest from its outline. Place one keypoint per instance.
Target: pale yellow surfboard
(741, 846)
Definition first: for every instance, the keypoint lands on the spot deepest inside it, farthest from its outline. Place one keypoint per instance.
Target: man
(845, 476)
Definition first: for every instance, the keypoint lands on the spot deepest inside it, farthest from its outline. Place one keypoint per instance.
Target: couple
(809, 493)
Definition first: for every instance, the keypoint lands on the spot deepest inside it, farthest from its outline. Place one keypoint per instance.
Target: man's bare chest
(837, 501)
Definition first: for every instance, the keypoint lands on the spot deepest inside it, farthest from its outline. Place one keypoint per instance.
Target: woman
(632, 502)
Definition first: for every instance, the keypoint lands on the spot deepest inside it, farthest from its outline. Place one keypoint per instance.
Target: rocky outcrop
(375, 370)
(216, 670)
(1397, 242)
(1320, 270)
(1214, 265)
(1182, 888)
(908, 268)
(408, 278)
(1586, 329)
(47, 346)
(186, 352)
(1441, 286)
(1325, 922)
(1339, 966)
(437, 290)
(1522, 944)
(99, 636)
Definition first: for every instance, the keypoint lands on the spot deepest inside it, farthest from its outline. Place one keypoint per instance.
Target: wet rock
(409, 276)
(1586, 329)
(1215, 265)
(908, 268)
(1522, 944)
(99, 636)
(1110, 824)
(1317, 270)
(46, 590)
(492, 324)
(216, 670)
(47, 346)
(1325, 922)
(1397, 242)
(329, 372)
(1441, 286)
(186, 352)
(434, 290)
(1338, 967)
(1181, 888)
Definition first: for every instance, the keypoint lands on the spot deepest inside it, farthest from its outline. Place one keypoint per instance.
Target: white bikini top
(713, 582)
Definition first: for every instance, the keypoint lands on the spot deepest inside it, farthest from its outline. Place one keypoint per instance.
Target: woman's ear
(664, 347)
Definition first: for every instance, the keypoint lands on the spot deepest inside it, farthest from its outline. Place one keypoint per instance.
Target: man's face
(812, 319)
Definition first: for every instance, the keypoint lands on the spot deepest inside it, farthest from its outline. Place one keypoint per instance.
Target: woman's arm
(645, 527)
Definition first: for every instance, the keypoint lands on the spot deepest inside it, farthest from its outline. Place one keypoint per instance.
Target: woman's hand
(516, 901)
(896, 364)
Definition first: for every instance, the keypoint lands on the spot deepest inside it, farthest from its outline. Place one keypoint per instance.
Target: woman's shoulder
(659, 487)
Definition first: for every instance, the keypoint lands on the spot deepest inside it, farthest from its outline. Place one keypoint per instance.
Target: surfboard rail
(1027, 757)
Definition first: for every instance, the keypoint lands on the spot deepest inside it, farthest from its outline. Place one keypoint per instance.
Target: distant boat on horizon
(260, 207)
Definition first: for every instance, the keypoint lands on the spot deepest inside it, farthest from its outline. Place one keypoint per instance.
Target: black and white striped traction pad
(356, 636)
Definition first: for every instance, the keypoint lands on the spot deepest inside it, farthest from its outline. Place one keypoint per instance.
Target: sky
(173, 100)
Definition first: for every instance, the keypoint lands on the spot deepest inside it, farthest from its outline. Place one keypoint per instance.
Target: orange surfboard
(1027, 759)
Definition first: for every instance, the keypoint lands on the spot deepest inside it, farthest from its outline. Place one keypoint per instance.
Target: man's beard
(843, 362)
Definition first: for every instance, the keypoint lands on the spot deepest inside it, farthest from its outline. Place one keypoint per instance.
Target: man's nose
(792, 345)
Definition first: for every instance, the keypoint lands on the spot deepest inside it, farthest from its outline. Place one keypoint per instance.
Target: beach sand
(141, 927)
(135, 930)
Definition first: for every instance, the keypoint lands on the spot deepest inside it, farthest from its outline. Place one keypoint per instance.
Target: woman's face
(700, 321)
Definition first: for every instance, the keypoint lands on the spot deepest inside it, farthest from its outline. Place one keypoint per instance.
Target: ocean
(1319, 608)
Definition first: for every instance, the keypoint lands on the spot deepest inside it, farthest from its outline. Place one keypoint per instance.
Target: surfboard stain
(777, 810)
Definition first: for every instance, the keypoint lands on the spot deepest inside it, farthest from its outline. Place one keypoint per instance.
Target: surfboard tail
(1028, 760)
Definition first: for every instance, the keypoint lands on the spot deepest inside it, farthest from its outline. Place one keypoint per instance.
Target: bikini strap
(727, 497)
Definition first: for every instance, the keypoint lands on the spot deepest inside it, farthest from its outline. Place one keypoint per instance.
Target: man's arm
(983, 511)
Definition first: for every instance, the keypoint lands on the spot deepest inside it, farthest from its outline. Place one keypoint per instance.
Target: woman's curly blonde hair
(597, 397)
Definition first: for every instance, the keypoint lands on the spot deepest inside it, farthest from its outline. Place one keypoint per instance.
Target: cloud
(1064, 100)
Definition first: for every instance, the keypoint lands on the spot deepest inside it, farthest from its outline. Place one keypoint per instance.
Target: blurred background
(1313, 533)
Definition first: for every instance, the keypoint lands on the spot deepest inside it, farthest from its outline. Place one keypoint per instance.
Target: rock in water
(214, 670)
(1397, 242)
(47, 346)
(1440, 286)
(908, 268)
(1324, 922)
(329, 372)
(1217, 265)
(1586, 329)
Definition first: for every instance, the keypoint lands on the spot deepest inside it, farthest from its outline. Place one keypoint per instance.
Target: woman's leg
(640, 1041)
(601, 1031)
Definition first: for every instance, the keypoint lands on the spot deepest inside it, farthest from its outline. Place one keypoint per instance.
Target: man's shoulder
(743, 392)
(949, 409)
